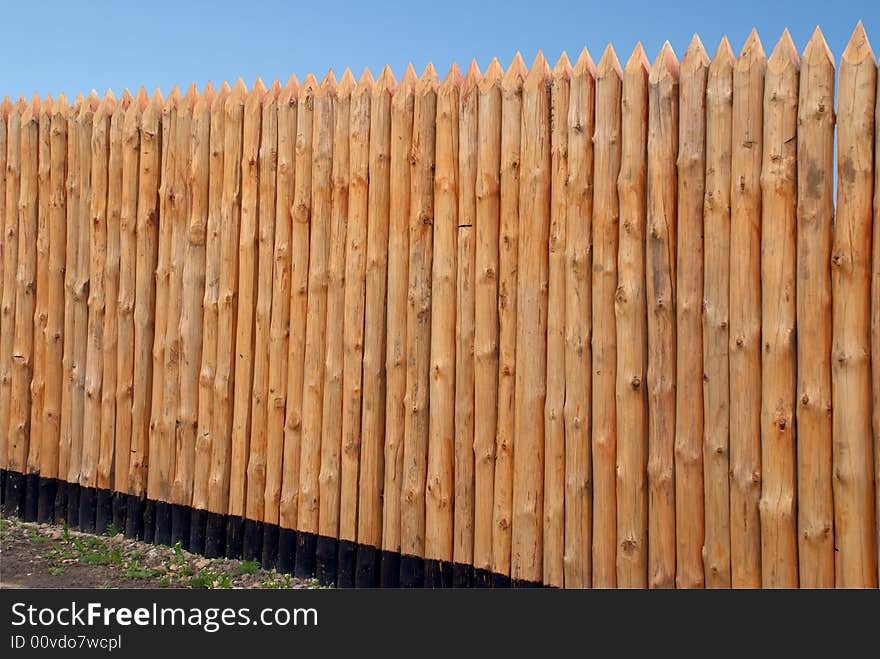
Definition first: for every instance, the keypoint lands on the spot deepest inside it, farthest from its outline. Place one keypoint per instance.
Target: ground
(48, 556)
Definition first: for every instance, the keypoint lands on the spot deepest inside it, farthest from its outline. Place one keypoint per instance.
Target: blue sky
(77, 46)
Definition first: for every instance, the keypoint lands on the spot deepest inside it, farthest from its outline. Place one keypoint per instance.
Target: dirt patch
(49, 556)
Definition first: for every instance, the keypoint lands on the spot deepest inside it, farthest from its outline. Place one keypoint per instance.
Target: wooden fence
(586, 326)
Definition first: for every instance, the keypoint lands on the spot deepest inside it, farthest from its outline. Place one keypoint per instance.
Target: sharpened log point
(412, 572)
(367, 574)
(234, 536)
(306, 544)
(118, 507)
(163, 524)
(149, 533)
(73, 505)
(104, 511)
(389, 569)
(345, 577)
(135, 517)
(326, 560)
(269, 550)
(180, 525)
(253, 540)
(46, 503)
(198, 520)
(287, 543)
(215, 535)
(31, 497)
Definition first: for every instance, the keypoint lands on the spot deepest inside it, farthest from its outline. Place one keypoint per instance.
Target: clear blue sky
(77, 46)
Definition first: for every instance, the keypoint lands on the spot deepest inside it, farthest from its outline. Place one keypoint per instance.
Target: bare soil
(49, 556)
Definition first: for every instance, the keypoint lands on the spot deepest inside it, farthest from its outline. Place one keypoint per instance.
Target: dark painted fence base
(332, 562)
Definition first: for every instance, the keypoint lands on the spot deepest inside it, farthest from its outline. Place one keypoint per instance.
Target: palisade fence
(583, 327)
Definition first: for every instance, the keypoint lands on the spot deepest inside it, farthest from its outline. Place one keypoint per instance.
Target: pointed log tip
(309, 85)
(452, 80)
(47, 105)
(290, 90)
(386, 82)
(494, 74)
(695, 57)
(723, 54)
(752, 50)
(784, 54)
(365, 83)
(638, 60)
(666, 64)
(539, 74)
(472, 78)
(609, 64)
(584, 64)
(126, 97)
(562, 68)
(859, 48)
(429, 81)
(516, 72)
(817, 50)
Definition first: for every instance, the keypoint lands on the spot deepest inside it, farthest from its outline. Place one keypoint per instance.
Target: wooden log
(439, 490)
(487, 220)
(149, 172)
(580, 124)
(465, 310)
(853, 487)
(531, 332)
(158, 464)
(65, 445)
(689, 519)
(224, 374)
(815, 216)
(25, 289)
(281, 292)
(353, 312)
(193, 281)
(716, 319)
(745, 315)
(5, 108)
(316, 317)
(92, 284)
(80, 449)
(40, 375)
(398, 282)
(660, 267)
(554, 419)
(372, 467)
(332, 369)
(109, 386)
(211, 302)
(630, 310)
(875, 319)
(508, 275)
(606, 215)
(247, 299)
(256, 465)
(299, 289)
(10, 268)
(778, 315)
(130, 141)
(51, 422)
(418, 317)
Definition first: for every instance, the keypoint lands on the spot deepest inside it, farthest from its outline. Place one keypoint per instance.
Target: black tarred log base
(103, 511)
(48, 489)
(326, 560)
(343, 563)
(180, 525)
(253, 540)
(198, 520)
(215, 535)
(234, 536)
(367, 572)
(87, 503)
(438, 574)
(119, 506)
(304, 565)
(269, 550)
(345, 571)
(31, 497)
